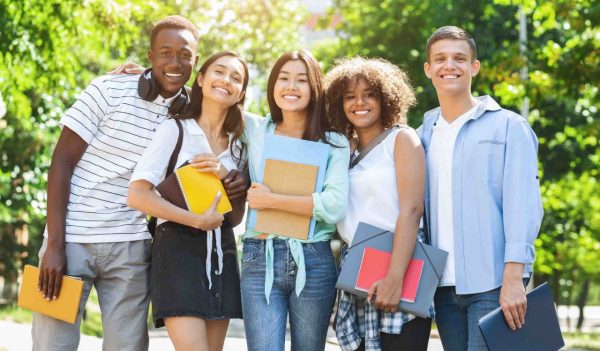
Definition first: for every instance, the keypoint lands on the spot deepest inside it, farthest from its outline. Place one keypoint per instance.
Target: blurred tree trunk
(582, 301)
(9, 254)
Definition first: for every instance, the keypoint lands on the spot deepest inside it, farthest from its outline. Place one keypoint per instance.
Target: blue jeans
(457, 317)
(309, 313)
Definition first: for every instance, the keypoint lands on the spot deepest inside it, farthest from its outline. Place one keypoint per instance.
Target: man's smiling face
(173, 56)
(451, 66)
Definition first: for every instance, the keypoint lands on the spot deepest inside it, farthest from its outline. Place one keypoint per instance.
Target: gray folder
(369, 236)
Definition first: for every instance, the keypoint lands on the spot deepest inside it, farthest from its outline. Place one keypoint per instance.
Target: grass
(582, 341)
(15, 314)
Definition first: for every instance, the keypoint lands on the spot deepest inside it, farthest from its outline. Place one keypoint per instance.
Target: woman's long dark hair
(234, 121)
(318, 123)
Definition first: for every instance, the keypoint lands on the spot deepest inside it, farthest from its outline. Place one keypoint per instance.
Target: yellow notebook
(65, 307)
(199, 190)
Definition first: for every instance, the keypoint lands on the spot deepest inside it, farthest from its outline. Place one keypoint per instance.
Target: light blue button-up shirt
(496, 200)
(329, 205)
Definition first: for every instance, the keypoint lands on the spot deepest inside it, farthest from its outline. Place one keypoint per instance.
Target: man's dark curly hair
(388, 81)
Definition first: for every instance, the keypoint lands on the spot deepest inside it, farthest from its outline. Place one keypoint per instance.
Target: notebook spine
(187, 204)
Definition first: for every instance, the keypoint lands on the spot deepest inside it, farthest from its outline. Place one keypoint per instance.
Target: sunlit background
(539, 58)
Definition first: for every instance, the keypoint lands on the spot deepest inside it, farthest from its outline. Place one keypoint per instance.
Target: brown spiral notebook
(287, 178)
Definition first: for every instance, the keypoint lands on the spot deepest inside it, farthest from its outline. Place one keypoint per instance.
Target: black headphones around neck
(148, 90)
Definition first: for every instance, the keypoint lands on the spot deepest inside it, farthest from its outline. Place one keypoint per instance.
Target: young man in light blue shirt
(482, 195)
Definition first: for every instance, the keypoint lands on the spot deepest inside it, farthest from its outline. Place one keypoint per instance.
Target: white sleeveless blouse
(373, 195)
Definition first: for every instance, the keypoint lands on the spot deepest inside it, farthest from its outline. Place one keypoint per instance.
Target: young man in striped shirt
(91, 233)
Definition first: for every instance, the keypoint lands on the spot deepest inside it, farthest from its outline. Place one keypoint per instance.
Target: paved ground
(17, 337)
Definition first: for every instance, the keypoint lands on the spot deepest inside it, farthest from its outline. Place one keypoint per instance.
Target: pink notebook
(374, 267)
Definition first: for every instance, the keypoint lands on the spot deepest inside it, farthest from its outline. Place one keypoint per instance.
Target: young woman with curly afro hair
(367, 98)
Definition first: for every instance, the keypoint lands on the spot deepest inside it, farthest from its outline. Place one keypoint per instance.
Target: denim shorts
(179, 282)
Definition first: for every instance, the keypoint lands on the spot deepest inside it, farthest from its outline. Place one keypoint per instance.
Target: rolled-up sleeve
(152, 166)
(329, 205)
(522, 201)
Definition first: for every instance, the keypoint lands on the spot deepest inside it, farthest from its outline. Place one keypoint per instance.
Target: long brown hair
(234, 121)
(318, 123)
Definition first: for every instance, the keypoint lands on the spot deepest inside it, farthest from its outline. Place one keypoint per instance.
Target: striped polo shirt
(117, 124)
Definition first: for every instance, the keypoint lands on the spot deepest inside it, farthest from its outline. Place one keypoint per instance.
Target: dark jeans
(457, 317)
(414, 337)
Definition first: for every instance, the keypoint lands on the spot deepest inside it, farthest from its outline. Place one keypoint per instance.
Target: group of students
(471, 167)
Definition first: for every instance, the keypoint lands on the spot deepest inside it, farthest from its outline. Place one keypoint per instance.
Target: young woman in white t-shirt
(365, 97)
(195, 277)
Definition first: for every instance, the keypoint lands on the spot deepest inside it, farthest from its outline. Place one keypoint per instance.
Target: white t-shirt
(117, 124)
(439, 161)
(373, 192)
(155, 160)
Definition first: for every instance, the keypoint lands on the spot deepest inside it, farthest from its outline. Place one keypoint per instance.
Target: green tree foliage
(563, 60)
(51, 49)
(575, 246)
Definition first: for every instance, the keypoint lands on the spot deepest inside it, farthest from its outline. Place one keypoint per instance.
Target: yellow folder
(199, 190)
(288, 178)
(65, 307)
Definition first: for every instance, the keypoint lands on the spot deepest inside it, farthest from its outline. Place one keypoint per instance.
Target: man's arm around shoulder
(68, 152)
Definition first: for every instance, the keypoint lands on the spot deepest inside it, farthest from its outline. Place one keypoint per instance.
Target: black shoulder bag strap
(426, 232)
(170, 168)
(355, 160)
(175, 154)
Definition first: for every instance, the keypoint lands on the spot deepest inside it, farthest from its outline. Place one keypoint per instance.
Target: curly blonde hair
(390, 83)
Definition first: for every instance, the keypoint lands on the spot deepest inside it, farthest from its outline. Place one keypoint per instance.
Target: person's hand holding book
(513, 300)
(211, 218)
(52, 268)
(259, 196)
(385, 294)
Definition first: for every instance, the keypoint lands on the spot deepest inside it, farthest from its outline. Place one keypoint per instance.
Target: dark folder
(370, 236)
(540, 332)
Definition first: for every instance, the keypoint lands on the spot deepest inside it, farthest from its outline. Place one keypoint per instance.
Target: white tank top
(373, 195)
